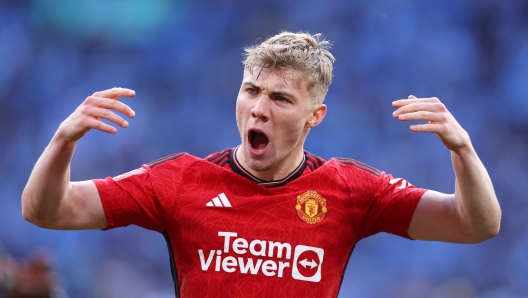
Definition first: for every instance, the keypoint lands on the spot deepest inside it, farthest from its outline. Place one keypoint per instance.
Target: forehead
(284, 79)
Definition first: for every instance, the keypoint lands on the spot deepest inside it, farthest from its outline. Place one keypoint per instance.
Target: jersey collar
(237, 168)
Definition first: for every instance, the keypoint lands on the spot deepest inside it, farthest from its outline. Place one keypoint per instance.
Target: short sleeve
(145, 196)
(391, 206)
(130, 199)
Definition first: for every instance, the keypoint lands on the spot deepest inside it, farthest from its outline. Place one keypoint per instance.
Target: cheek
(238, 118)
(292, 129)
(238, 112)
(242, 107)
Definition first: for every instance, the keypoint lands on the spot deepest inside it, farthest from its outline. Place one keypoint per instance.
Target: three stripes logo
(220, 201)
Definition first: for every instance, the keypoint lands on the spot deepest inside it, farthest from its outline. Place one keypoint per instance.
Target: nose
(261, 109)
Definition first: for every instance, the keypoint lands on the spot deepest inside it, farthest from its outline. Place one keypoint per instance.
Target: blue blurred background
(183, 58)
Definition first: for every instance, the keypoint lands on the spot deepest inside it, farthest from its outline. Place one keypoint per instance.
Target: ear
(318, 114)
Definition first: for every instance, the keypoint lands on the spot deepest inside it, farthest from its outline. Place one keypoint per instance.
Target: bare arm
(472, 214)
(49, 199)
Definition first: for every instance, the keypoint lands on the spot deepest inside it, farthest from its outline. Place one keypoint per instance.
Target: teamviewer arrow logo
(307, 263)
(310, 264)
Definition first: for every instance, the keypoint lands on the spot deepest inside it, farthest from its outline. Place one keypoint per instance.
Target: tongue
(259, 141)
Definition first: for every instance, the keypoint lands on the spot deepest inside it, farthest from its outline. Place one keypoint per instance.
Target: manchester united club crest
(311, 207)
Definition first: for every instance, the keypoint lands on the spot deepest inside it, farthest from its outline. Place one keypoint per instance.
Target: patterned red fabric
(236, 237)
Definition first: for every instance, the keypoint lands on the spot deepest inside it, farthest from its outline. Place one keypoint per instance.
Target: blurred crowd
(31, 277)
(183, 58)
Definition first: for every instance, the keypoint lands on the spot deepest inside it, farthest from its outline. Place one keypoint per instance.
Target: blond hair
(300, 51)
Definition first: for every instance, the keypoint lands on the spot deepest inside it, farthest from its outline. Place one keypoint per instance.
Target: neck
(278, 171)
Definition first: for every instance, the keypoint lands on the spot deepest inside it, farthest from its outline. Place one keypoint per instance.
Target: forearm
(49, 199)
(473, 214)
(49, 183)
(475, 200)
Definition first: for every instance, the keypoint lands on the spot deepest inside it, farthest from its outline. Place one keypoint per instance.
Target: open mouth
(258, 140)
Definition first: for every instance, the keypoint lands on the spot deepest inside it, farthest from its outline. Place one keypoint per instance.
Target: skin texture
(472, 214)
(279, 105)
(49, 199)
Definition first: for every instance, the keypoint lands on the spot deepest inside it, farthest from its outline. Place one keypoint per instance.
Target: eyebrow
(273, 93)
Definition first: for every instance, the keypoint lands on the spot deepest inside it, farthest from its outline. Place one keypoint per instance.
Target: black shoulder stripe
(367, 166)
(312, 166)
(319, 161)
(226, 161)
(221, 160)
(374, 172)
(358, 163)
(217, 155)
(165, 159)
(316, 160)
(311, 159)
(160, 159)
(362, 168)
(213, 157)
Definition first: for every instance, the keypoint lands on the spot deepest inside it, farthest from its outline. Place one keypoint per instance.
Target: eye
(282, 99)
(251, 91)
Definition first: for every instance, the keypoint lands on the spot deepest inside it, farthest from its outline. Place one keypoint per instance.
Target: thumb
(411, 96)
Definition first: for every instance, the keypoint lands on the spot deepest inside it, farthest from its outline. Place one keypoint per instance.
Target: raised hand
(94, 108)
(439, 120)
(50, 200)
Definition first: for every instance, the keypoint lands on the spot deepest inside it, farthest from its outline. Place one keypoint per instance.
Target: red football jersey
(233, 235)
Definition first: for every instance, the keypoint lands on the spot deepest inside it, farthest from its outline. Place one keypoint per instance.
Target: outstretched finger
(99, 125)
(419, 107)
(413, 100)
(101, 113)
(422, 115)
(112, 104)
(428, 127)
(115, 93)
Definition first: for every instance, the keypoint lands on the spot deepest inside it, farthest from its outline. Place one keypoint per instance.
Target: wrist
(60, 140)
(464, 150)
(64, 136)
(465, 146)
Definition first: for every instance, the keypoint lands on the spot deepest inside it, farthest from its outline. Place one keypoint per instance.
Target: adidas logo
(220, 201)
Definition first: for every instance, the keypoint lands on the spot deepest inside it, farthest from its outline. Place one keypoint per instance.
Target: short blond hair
(300, 51)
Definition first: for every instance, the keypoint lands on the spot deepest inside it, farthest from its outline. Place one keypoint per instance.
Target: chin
(258, 166)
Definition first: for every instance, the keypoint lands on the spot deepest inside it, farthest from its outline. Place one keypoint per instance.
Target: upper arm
(82, 208)
(436, 218)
